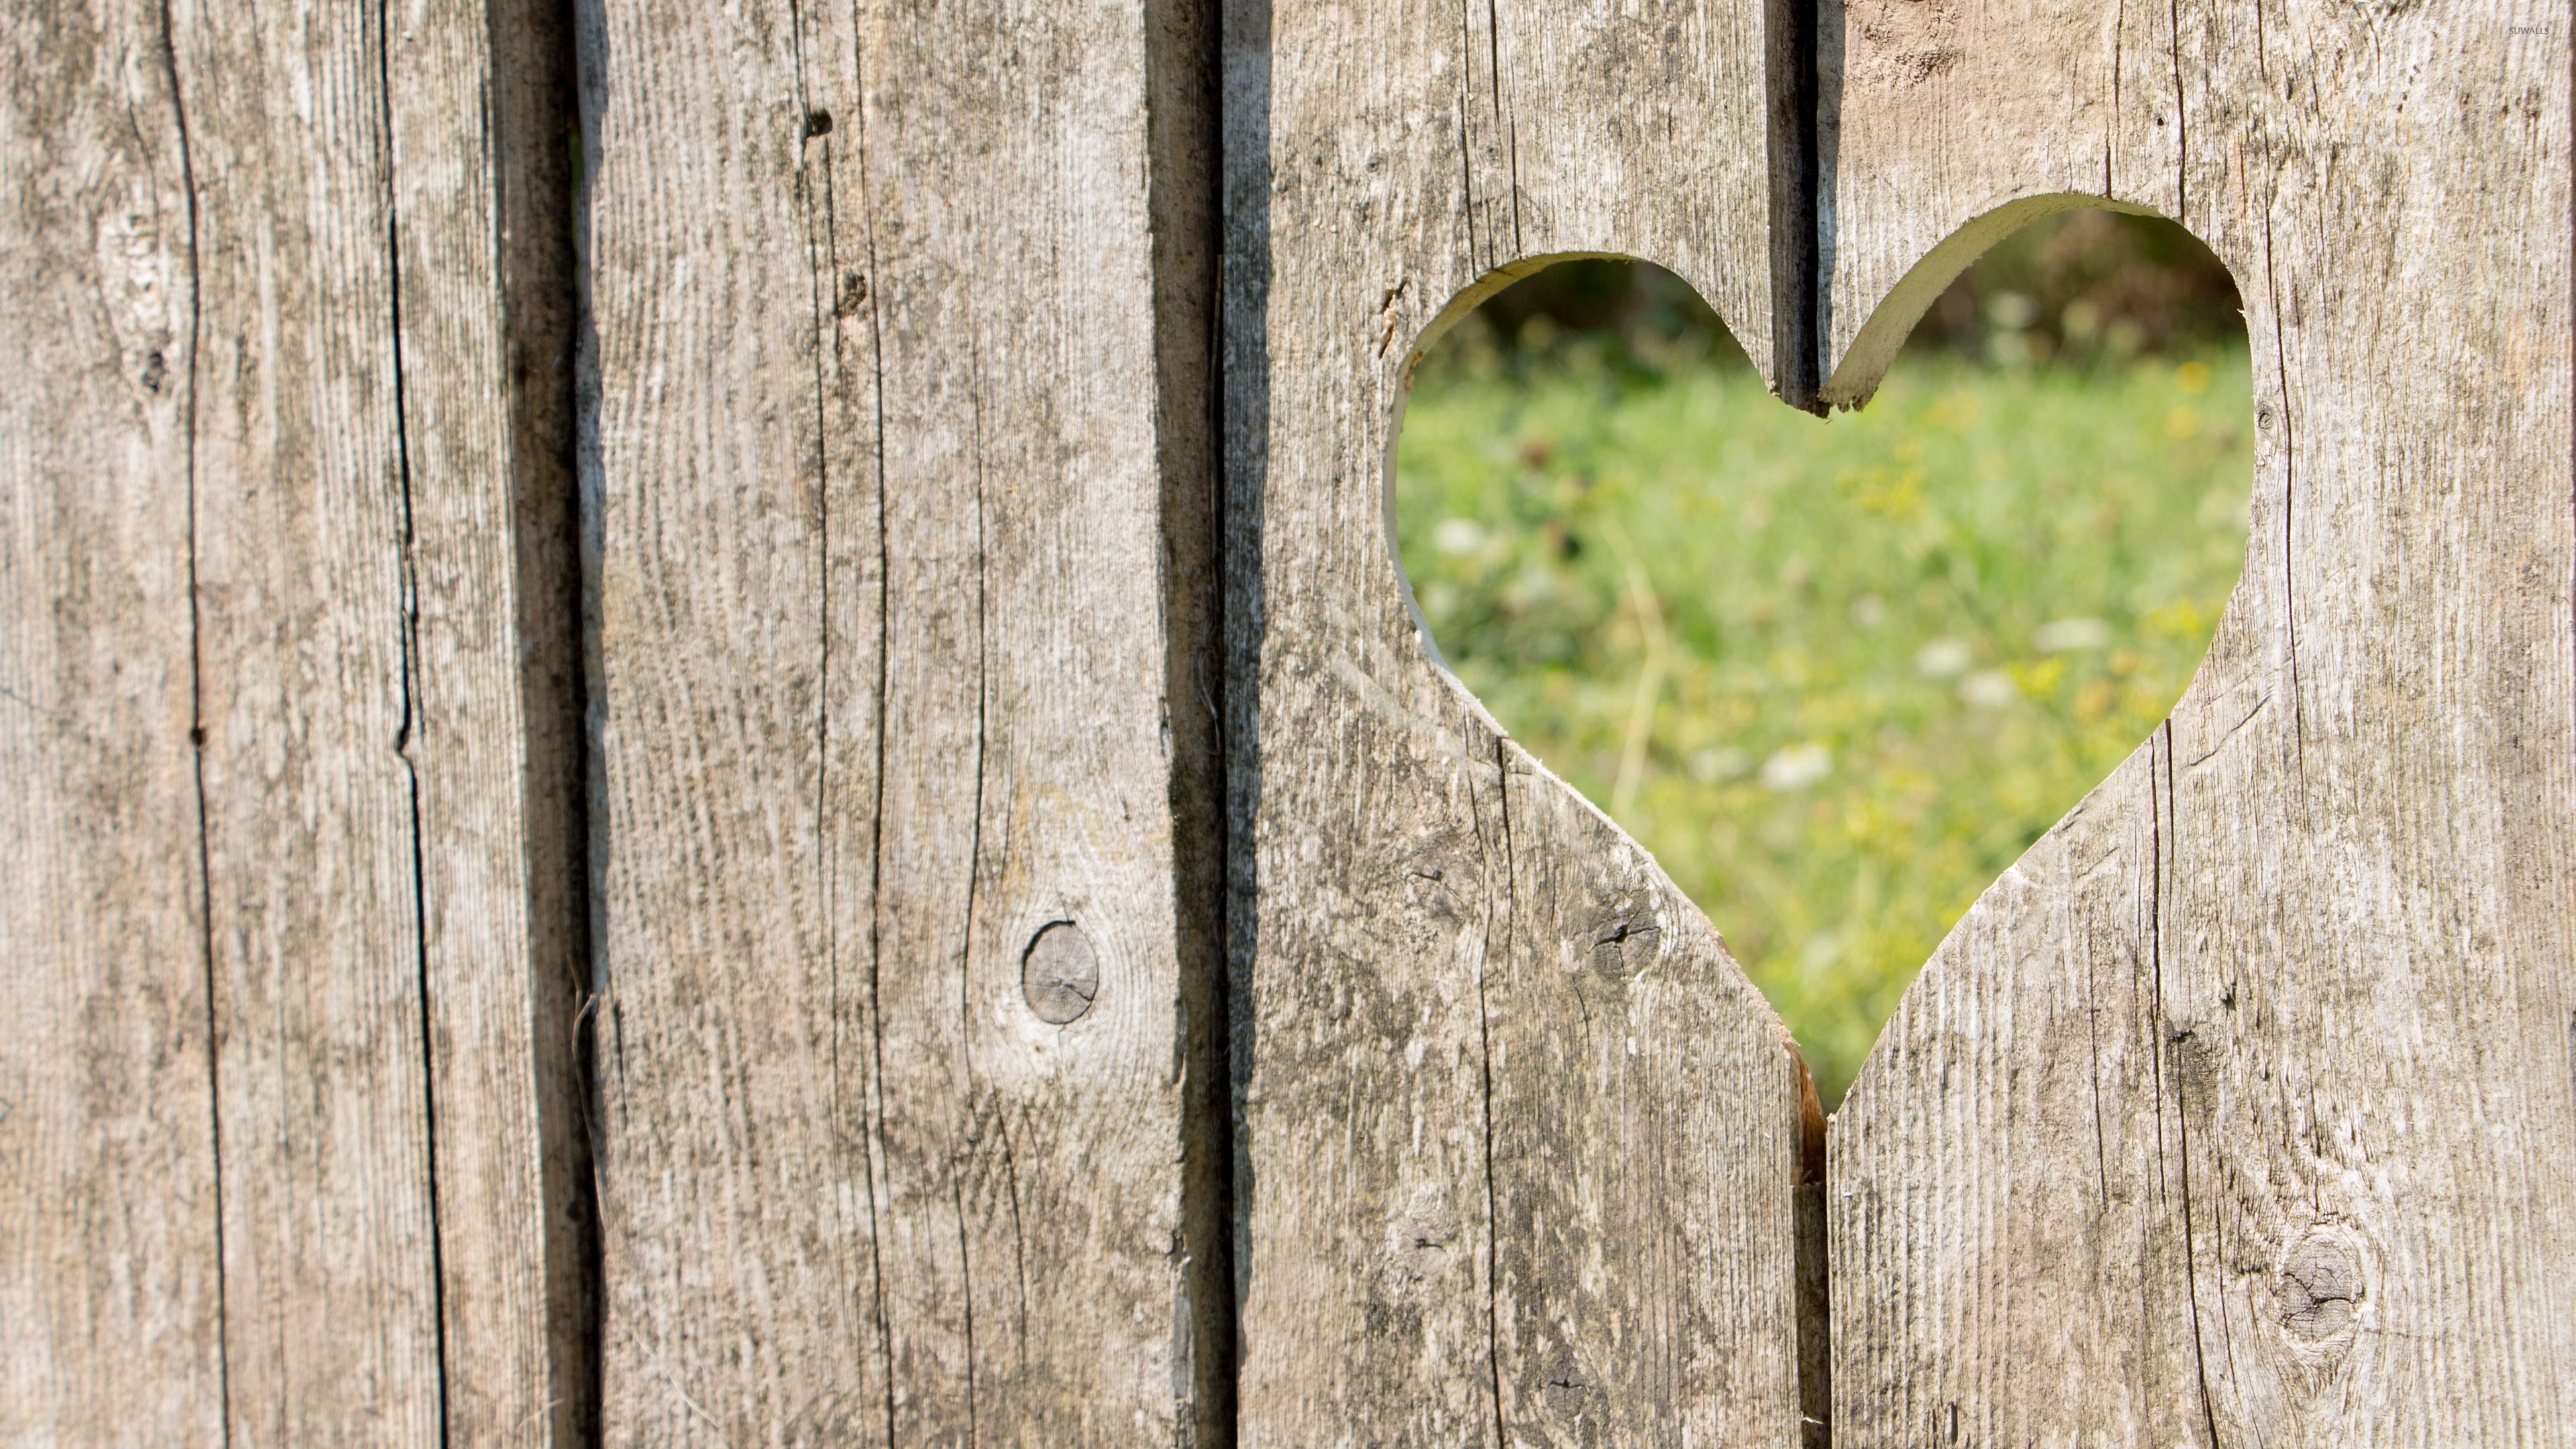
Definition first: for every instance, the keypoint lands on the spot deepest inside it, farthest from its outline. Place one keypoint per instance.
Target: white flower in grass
(1989, 688)
(1795, 767)
(2060, 635)
(1943, 658)
(1457, 535)
(1724, 763)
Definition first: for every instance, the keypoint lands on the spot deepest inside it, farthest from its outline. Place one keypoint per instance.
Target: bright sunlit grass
(1837, 675)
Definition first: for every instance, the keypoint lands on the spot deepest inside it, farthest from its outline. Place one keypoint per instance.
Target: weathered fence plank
(269, 454)
(1518, 1141)
(897, 589)
(109, 1276)
(2240, 1111)
(741, 1302)
(299, 543)
(479, 109)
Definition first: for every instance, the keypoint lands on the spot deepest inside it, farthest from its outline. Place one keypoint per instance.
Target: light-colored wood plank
(895, 591)
(302, 568)
(477, 121)
(110, 1282)
(2240, 1110)
(1033, 1185)
(293, 587)
(741, 1304)
(1444, 1161)
(1645, 1141)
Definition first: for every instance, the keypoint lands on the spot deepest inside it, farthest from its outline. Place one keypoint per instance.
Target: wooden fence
(707, 736)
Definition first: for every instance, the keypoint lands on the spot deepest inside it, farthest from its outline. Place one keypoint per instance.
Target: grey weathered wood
(299, 546)
(2240, 1110)
(296, 1152)
(479, 108)
(1518, 1141)
(109, 1278)
(1646, 1134)
(896, 591)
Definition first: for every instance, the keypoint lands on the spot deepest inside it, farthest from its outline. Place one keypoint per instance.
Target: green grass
(1835, 675)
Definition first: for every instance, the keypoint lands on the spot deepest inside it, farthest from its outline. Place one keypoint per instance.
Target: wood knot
(2322, 1287)
(1419, 1237)
(1059, 973)
(1626, 944)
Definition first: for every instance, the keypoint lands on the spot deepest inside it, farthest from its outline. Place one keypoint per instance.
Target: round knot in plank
(1059, 973)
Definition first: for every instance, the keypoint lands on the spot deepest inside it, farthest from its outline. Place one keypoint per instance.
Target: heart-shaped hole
(1837, 675)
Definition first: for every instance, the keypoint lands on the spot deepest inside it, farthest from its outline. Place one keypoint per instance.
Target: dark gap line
(197, 733)
(1184, 79)
(1811, 1264)
(877, 804)
(557, 78)
(1795, 90)
(407, 733)
(1796, 102)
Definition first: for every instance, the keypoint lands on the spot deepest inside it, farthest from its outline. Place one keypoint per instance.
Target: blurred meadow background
(1837, 675)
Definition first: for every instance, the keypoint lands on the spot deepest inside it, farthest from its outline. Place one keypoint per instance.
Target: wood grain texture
(890, 593)
(291, 779)
(300, 541)
(2240, 1110)
(110, 1281)
(479, 106)
(1645, 1137)
(1516, 1141)
(741, 1301)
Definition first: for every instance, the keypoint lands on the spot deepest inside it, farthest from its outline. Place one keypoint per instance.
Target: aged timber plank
(1640, 1087)
(899, 594)
(109, 1276)
(268, 608)
(1440, 1153)
(741, 1303)
(371, 866)
(1032, 1142)
(479, 108)
(2240, 1110)
(302, 562)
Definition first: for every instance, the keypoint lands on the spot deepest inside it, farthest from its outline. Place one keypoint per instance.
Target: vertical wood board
(110, 1280)
(1482, 1048)
(2241, 1109)
(893, 1048)
(265, 581)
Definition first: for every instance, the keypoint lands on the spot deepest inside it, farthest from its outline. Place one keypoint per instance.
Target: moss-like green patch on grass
(1836, 676)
